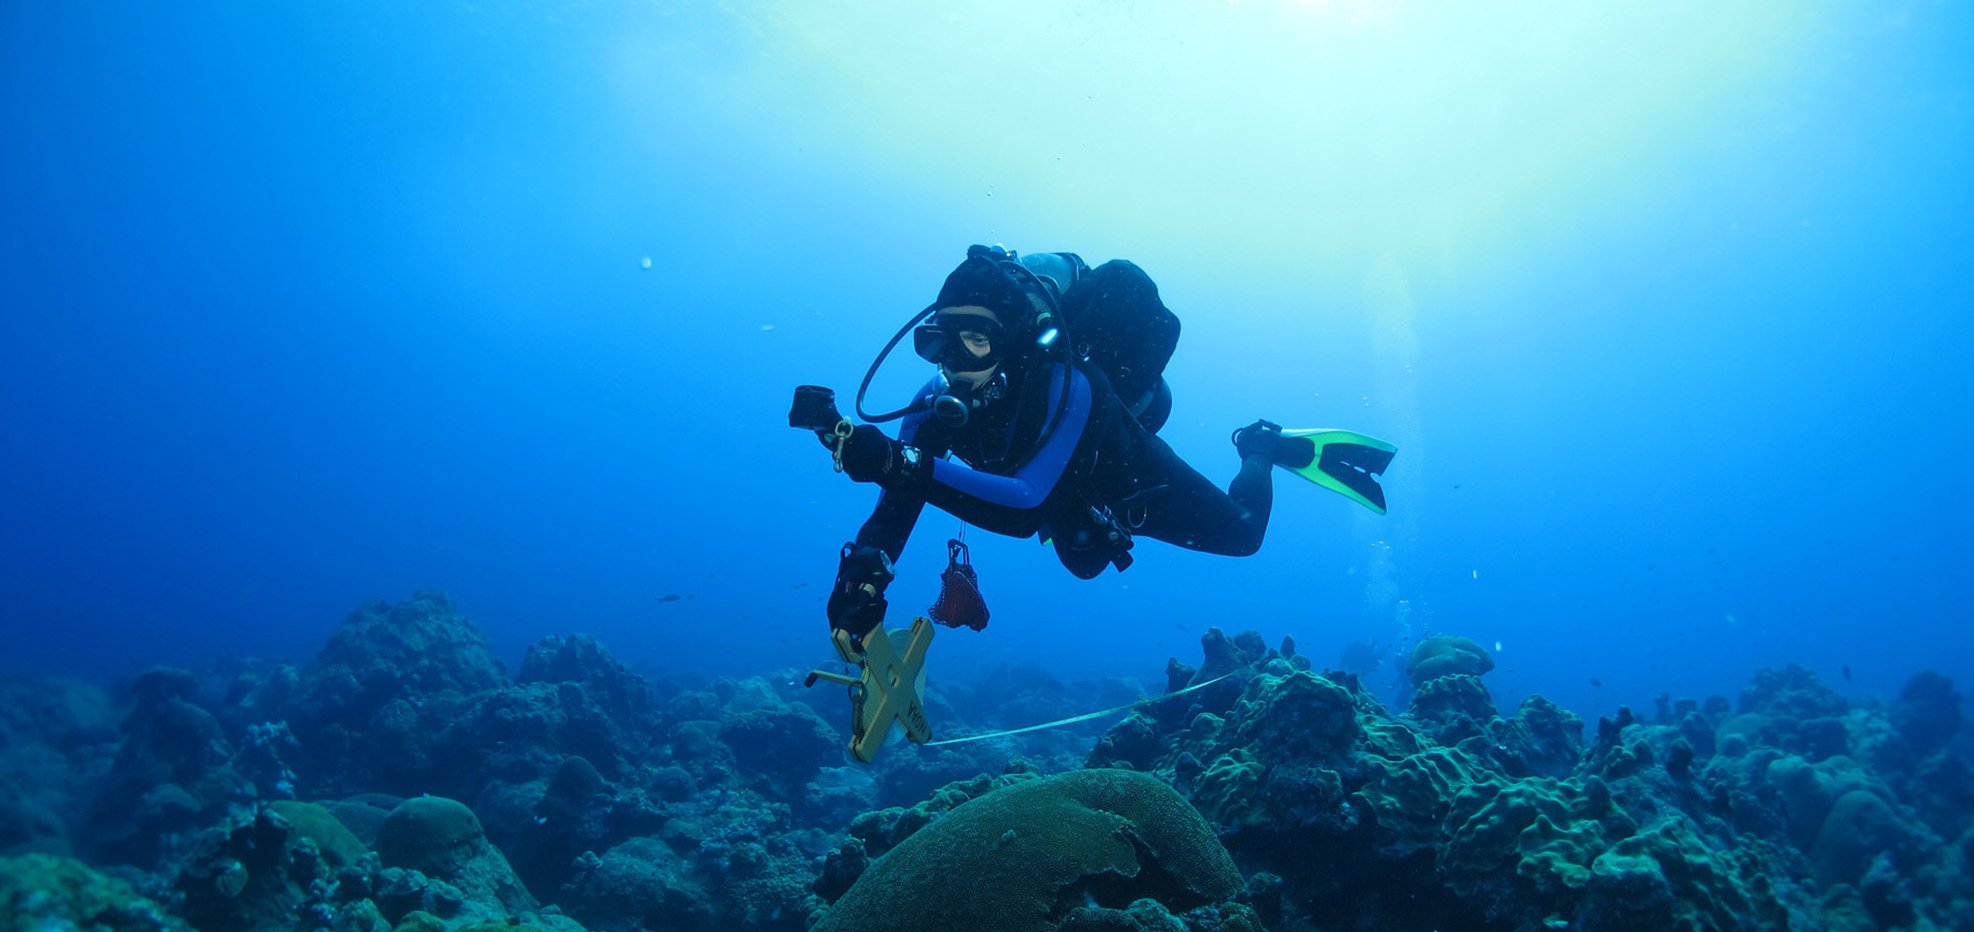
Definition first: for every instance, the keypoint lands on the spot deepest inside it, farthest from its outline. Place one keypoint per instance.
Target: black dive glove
(870, 456)
(857, 603)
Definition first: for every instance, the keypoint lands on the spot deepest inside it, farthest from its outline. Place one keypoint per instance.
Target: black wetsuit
(1086, 474)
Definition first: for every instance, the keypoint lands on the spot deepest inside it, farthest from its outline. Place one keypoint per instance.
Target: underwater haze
(1667, 308)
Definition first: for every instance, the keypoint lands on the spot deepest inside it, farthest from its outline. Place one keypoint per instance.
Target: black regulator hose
(871, 373)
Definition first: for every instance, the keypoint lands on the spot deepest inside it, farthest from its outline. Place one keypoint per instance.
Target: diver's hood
(1025, 301)
(983, 282)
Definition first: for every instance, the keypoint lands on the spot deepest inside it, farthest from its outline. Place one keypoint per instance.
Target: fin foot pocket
(1267, 439)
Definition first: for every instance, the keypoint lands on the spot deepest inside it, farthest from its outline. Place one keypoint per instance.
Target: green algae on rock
(42, 891)
(338, 846)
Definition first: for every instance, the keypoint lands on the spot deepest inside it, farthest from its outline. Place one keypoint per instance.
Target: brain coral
(1445, 655)
(442, 838)
(1020, 857)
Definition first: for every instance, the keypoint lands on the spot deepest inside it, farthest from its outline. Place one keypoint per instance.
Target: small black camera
(814, 408)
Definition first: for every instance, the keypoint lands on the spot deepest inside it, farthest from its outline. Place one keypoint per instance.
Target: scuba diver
(1043, 420)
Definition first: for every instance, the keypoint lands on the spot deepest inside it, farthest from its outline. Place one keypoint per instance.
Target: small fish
(1847, 673)
(669, 597)
(1597, 682)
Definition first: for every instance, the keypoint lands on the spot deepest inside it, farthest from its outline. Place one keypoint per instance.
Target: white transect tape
(1080, 718)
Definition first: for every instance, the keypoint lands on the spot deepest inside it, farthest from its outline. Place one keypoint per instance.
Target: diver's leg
(1192, 512)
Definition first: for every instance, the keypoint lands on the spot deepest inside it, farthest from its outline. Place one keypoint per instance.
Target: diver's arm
(856, 602)
(890, 523)
(1009, 504)
(1030, 485)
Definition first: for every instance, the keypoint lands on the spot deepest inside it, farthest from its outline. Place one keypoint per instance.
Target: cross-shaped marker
(887, 690)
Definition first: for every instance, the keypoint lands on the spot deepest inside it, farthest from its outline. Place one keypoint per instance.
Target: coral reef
(442, 839)
(56, 735)
(173, 773)
(1447, 815)
(368, 710)
(1024, 855)
(43, 891)
(402, 780)
(1446, 655)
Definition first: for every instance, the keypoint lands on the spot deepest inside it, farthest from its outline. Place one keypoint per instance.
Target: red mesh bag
(959, 604)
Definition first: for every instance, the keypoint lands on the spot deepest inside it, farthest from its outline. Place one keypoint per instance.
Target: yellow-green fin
(1347, 463)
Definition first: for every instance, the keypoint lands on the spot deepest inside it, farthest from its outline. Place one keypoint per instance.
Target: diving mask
(959, 342)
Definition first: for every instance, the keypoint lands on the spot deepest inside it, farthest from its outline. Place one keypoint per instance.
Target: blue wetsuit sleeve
(1030, 485)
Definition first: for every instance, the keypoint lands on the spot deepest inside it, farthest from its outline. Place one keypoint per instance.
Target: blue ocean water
(1667, 309)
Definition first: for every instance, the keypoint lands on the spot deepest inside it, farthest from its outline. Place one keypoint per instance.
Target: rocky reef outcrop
(403, 780)
(1450, 815)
